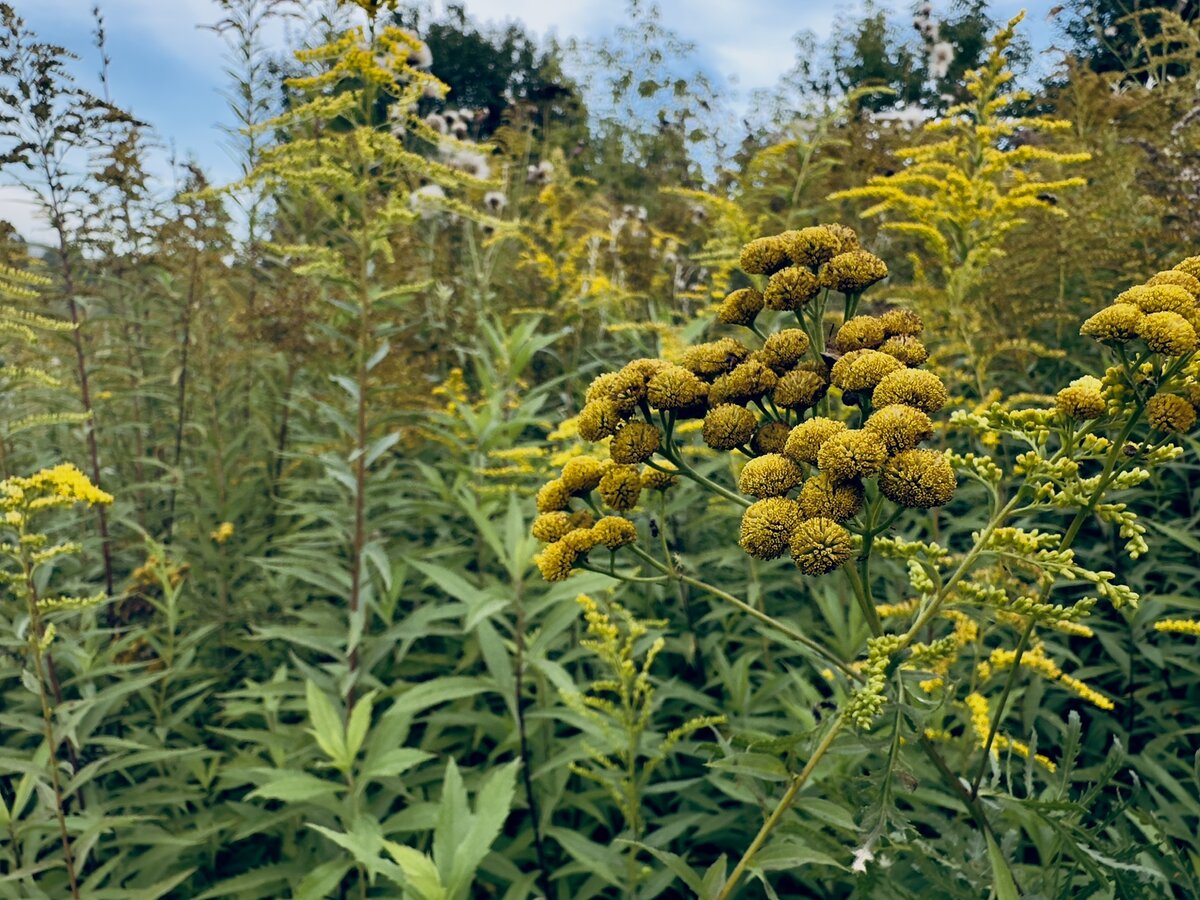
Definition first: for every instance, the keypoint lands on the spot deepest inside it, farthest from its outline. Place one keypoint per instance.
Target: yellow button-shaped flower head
(555, 561)
(791, 288)
(799, 389)
(636, 442)
(900, 427)
(741, 307)
(858, 333)
(772, 475)
(1170, 414)
(769, 437)
(1189, 283)
(728, 426)
(599, 419)
(581, 474)
(614, 532)
(805, 441)
(906, 348)
(917, 388)
(811, 246)
(852, 454)
(918, 479)
(1082, 399)
(764, 256)
(767, 527)
(823, 498)
(675, 388)
(900, 321)
(820, 546)
(1114, 324)
(862, 370)
(784, 349)
(1167, 333)
(620, 488)
(853, 272)
(715, 357)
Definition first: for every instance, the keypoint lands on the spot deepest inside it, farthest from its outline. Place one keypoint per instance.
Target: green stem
(781, 808)
(749, 610)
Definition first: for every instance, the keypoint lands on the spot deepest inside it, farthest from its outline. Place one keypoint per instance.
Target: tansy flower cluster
(777, 397)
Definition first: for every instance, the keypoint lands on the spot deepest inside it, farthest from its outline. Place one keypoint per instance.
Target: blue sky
(167, 69)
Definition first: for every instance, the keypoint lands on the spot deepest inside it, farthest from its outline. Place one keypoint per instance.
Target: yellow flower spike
(1179, 626)
(222, 532)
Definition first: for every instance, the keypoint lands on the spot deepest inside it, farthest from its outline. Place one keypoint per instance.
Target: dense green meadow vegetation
(506, 489)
